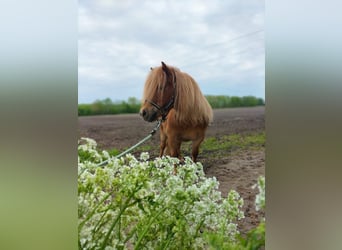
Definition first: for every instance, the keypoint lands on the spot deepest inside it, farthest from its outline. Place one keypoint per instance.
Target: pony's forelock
(153, 81)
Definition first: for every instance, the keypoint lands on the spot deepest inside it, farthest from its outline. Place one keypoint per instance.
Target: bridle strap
(154, 104)
(164, 111)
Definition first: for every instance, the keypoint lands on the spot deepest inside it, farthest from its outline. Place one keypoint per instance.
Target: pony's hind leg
(195, 148)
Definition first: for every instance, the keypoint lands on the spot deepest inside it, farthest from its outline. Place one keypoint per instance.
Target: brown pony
(174, 97)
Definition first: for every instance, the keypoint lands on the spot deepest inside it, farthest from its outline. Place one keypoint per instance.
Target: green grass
(145, 148)
(142, 148)
(113, 152)
(234, 142)
(211, 147)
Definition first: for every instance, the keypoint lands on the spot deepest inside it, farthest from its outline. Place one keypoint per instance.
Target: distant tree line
(107, 106)
(132, 105)
(223, 101)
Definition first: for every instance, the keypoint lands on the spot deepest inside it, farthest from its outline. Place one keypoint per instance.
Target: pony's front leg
(163, 143)
(163, 140)
(174, 147)
(174, 150)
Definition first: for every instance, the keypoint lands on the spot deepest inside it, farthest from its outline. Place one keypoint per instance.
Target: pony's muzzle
(143, 113)
(149, 115)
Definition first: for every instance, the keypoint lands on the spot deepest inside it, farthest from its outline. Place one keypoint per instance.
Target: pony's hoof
(175, 171)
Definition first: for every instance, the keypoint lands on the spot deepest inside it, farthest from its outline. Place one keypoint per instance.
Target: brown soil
(237, 170)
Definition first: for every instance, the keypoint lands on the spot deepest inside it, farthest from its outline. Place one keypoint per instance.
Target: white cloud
(120, 40)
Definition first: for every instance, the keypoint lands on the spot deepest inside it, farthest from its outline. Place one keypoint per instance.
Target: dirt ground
(237, 170)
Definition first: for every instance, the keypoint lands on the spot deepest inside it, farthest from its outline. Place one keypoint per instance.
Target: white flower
(260, 197)
(144, 156)
(140, 194)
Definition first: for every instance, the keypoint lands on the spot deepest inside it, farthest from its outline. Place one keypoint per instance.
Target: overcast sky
(219, 42)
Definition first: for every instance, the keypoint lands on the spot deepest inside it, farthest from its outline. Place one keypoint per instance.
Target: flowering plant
(134, 203)
(260, 197)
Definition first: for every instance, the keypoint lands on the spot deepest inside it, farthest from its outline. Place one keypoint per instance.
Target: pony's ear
(166, 69)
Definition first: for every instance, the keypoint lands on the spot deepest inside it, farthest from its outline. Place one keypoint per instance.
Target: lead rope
(154, 130)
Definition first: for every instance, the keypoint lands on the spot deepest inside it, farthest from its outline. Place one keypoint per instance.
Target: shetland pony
(174, 97)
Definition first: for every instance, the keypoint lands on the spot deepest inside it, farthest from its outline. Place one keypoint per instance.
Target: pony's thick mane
(192, 108)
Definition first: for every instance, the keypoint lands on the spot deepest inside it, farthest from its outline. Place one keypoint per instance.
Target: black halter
(164, 111)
